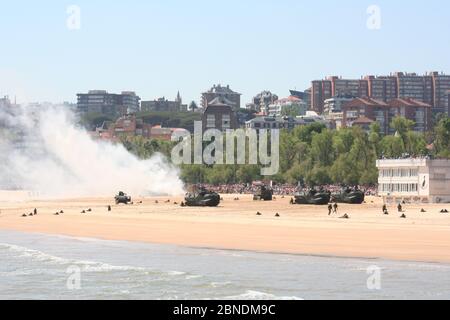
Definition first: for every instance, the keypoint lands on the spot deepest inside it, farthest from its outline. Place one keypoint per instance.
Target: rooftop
(366, 101)
(221, 102)
(363, 120)
(222, 90)
(408, 102)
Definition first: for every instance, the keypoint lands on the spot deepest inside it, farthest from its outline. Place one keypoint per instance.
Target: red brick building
(430, 88)
(219, 115)
(384, 112)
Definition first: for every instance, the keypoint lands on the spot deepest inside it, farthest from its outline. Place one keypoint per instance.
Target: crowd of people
(278, 189)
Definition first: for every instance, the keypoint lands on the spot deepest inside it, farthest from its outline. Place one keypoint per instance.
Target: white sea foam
(257, 295)
(85, 265)
(176, 273)
(220, 284)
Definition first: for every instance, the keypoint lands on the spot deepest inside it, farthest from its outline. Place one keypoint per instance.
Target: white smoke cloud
(45, 152)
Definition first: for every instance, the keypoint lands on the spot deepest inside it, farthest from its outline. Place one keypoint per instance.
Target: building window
(226, 121)
(210, 121)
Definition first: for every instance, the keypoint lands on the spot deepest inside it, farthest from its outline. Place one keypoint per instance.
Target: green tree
(442, 138)
(322, 148)
(193, 106)
(392, 146)
(292, 110)
(401, 126)
(375, 138)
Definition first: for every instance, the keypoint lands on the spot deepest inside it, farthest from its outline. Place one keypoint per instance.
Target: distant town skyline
(161, 47)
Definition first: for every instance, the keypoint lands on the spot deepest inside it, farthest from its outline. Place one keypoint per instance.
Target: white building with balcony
(414, 180)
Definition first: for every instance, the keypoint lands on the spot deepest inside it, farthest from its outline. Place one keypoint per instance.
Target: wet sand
(234, 225)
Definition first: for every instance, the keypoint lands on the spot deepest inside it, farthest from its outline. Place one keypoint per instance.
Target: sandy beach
(234, 225)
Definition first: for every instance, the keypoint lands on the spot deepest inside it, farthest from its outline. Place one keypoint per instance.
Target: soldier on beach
(335, 207)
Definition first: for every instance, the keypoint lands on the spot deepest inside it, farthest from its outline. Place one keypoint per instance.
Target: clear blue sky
(157, 47)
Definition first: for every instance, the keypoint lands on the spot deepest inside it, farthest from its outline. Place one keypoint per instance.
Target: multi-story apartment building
(282, 106)
(336, 86)
(304, 95)
(441, 86)
(231, 98)
(384, 113)
(430, 88)
(100, 101)
(411, 85)
(320, 91)
(261, 102)
(349, 87)
(332, 110)
(382, 88)
(131, 101)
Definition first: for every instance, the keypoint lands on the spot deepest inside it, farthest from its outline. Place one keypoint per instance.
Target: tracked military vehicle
(264, 193)
(122, 197)
(314, 197)
(350, 196)
(202, 198)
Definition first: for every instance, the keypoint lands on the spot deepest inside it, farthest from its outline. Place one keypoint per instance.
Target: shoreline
(234, 226)
(437, 263)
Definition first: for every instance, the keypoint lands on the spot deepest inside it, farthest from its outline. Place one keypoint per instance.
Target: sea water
(38, 266)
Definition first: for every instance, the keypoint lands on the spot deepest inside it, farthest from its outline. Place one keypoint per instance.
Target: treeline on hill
(166, 119)
(315, 155)
(171, 119)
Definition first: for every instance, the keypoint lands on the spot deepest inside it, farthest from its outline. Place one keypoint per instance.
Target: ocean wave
(35, 255)
(220, 284)
(176, 273)
(257, 295)
(84, 265)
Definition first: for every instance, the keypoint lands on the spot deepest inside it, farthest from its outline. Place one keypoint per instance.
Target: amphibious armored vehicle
(350, 196)
(264, 193)
(202, 198)
(122, 197)
(314, 197)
